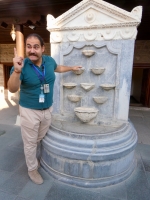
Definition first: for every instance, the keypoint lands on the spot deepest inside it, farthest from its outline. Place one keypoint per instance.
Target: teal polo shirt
(30, 87)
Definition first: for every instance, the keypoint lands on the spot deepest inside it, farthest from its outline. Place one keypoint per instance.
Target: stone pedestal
(99, 157)
(91, 142)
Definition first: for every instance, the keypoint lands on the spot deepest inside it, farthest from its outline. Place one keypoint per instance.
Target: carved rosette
(90, 16)
(56, 37)
(73, 36)
(108, 34)
(89, 36)
(104, 34)
(128, 33)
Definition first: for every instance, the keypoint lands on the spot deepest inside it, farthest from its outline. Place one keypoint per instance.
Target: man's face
(34, 50)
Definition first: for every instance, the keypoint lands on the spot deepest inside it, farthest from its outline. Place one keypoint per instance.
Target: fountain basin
(85, 114)
(88, 53)
(69, 85)
(80, 71)
(108, 86)
(87, 86)
(100, 99)
(74, 98)
(97, 71)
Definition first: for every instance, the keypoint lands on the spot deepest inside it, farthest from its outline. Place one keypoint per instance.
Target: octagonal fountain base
(95, 157)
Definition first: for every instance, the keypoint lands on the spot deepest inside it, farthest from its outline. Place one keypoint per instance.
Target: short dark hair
(37, 36)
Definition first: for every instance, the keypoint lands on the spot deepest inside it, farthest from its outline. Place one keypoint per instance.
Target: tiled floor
(15, 184)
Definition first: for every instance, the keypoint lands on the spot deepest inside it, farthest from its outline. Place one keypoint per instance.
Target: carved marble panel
(105, 56)
(108, 31)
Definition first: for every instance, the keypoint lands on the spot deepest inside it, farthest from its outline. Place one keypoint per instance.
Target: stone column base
(90, 160)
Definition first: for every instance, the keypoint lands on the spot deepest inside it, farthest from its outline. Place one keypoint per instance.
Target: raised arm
(14, 80)
(62, 68)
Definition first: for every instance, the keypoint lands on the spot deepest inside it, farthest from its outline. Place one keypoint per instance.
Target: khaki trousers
(34, 126)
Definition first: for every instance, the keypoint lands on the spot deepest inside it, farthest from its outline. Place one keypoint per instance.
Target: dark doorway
(145, 92)
(140, 88)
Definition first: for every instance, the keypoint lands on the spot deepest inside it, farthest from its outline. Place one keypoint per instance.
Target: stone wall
(6, 53)
(142, 51)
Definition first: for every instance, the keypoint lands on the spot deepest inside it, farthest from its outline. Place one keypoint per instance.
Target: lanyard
(41, 75)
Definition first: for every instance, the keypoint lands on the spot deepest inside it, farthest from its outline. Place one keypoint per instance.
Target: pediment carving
(91, 18)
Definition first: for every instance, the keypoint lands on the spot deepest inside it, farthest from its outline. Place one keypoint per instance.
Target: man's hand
(18, 62)
(76, 68)
(62, 68)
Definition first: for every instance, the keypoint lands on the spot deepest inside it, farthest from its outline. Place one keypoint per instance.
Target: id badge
(46, 88)
(41, 98)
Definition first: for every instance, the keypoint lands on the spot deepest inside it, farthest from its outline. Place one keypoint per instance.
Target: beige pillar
(20, 40)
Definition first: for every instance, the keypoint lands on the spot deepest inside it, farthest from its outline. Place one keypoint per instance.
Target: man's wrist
(16, 71)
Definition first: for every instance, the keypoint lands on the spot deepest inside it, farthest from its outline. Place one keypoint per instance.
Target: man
(35, 77)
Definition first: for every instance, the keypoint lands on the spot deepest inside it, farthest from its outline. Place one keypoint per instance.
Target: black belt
(43, 108)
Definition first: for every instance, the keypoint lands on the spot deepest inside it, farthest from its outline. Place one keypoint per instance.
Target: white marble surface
(116, 57)
(108, 31)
